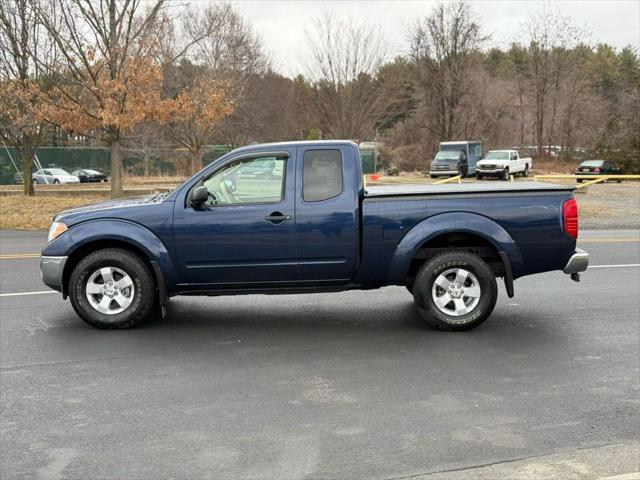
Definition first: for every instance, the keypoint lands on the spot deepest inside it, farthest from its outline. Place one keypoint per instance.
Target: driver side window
(249, 181)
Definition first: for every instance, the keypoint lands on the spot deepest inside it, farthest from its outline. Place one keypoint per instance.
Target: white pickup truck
(502, 163)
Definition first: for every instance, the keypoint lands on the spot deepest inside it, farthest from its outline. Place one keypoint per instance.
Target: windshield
(592, 163)
(58, 171)
(497, 156)
(448, 155)
(92, 172)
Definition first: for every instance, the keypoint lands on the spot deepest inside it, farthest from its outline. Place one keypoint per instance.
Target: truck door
(245, 232)
(517, 165)
(327, 214)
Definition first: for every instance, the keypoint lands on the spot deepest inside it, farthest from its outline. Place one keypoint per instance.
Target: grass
(35, 213)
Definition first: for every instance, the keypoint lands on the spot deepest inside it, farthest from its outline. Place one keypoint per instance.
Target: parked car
(502, 163)
(90, 176)
(597, 167)
(56, 176)
(317, 229)
(456, 158)
(262, 169)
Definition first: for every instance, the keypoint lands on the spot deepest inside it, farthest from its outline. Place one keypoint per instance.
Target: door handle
(277, 217)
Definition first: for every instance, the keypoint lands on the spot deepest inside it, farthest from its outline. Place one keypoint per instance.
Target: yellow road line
(610, 240)
(19, 255)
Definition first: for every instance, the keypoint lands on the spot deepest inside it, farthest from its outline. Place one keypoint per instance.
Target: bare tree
(442, 48)
(23, 51)
(227, 56)
(344, 61)
(552, 38)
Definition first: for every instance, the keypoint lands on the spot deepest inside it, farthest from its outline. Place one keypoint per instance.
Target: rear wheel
(455, 291)
(526, 171)
(112, 289)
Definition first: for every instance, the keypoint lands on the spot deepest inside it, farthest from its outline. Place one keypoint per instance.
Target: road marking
(19, 255)
(610, 240)
(19, 294)
(616, 266)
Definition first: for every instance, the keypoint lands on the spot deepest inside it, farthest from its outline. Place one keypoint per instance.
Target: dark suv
(448, 163)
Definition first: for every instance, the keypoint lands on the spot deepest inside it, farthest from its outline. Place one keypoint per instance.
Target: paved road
(347, 385)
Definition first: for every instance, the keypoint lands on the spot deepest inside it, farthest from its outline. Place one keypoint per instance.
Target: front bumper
(437, 173)
(492, 171)
(578, 262)
(51, 270)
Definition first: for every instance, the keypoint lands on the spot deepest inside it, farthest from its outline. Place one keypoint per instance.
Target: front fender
(452, 222)
(117, 230)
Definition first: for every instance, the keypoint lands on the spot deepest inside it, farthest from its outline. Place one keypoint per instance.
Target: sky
(282, 24)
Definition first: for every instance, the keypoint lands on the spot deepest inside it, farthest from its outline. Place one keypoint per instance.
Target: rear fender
(453, 222)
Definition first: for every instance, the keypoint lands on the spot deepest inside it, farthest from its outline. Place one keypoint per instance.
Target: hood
(111, 204)
(445, 162)
(491, 162)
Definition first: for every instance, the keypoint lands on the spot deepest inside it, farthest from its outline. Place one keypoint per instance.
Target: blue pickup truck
(311, 225)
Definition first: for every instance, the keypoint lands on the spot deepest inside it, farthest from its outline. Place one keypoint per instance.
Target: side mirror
(199, 196)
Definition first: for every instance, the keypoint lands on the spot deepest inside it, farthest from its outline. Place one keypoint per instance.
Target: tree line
(138, 75)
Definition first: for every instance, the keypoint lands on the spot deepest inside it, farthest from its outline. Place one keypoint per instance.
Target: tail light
(570, 217)
(596, 170)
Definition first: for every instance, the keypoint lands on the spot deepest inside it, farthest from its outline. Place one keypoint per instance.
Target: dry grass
(35, 213)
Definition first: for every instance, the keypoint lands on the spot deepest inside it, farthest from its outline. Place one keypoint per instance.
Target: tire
(434, 176)
(444, 265)
(526, 171)
(56, 182)
(35, 182)
(578, 180)
(505, 175)
(478, 176)
(139, 302)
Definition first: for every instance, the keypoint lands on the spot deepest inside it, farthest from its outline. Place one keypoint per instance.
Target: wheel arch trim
(455, 222)
(113, 233)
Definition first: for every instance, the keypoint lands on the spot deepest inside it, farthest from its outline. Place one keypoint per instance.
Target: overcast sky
(282, 24)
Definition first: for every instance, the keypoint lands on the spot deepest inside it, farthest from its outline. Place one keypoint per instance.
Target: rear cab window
(321, 175)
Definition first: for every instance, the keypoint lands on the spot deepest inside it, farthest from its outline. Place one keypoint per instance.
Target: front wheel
(455, 291)
(56, 182)
(505, 174)
(112, 289)
(478, 176)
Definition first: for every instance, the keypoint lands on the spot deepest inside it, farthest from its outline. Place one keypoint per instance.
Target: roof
(461, 142)
(295, 143)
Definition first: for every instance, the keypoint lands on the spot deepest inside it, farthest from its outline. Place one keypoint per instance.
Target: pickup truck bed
(462, 189)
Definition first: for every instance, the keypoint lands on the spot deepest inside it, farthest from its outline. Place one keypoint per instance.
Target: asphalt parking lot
(348, 385)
